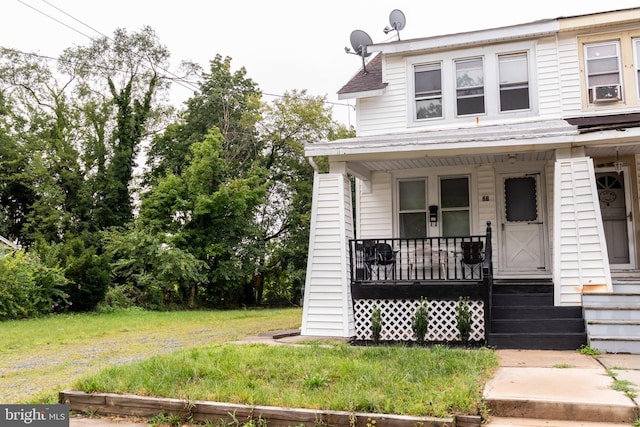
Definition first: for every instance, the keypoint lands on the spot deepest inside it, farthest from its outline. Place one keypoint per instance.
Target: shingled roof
(364, 82)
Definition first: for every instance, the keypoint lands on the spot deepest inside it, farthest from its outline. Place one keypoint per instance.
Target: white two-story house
(532, 129)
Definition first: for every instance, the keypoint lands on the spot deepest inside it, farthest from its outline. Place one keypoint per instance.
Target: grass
(39, 357)
(588, 351)
(625, 386)
(434, 381)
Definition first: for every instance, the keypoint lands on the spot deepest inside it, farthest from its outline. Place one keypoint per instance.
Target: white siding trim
(487, 209)
(327, 309)
(376, 208)
(580, 250)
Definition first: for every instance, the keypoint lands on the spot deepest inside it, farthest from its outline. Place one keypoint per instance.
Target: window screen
(521, 199)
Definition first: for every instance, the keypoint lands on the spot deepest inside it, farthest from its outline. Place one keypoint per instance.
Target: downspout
(313, 164)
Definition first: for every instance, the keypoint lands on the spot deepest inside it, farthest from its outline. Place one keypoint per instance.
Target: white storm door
(616, 217)
(522, 228)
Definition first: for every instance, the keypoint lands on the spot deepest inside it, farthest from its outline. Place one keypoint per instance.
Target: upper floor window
(603, 71)
(514, 82)
(469, 86)
(428, 88)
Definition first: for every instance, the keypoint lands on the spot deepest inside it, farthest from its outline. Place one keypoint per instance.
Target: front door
(616, 216)
(522, 228)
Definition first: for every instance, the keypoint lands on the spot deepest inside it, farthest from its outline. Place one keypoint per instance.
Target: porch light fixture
(617, 165)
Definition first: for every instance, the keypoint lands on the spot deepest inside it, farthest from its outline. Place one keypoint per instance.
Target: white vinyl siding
(580, 253)
(636, 62)
(378, 114)
(327, 301)
(375, 208)
(548, 82)
(486, 202)
(568, 69)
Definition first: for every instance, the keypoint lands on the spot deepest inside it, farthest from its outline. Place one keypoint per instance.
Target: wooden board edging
(141, 406)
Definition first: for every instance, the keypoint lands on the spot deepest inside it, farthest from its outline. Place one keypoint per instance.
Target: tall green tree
(227, 100)
(118, 83)
(208, 213)
(40, 126)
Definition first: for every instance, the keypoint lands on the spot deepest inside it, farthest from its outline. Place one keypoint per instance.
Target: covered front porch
(395, 276)
(542, 200)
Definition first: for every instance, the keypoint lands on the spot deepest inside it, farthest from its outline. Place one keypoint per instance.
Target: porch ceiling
(607, 151)
(459, 160)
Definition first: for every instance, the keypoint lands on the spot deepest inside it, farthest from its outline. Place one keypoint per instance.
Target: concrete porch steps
(613, 319)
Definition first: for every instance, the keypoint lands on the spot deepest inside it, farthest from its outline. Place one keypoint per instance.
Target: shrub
(29, 288)
(376, 324)
(420, 321)
(463, 318)
(118, 297)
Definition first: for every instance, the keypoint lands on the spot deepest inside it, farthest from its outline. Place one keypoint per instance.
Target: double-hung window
(454, 199)
(413, 209)
(428, 91)
(469, 86)
(603, 71)
(514, 82)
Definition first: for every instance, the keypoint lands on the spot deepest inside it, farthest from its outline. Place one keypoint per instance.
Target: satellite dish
(359, 42)
(397, 21)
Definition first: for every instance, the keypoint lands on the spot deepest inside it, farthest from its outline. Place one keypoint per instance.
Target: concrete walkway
(530, 388)
(563, 388)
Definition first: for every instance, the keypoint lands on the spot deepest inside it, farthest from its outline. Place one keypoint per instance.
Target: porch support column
(580, 257)
(328, 310)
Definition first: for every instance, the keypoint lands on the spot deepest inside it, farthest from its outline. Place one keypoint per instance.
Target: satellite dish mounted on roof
(359, 42)
(397, 21)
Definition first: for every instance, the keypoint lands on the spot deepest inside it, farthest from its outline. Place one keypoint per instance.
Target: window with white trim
(469, 86)
(514, 82)
(454, 202)
(412, 208)
(602, 62)
(428, 91)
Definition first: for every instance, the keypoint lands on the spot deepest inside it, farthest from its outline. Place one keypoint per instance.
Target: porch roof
(547, 134)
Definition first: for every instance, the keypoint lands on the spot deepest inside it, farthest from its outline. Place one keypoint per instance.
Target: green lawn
(188, 355)
(39, 357)
(433, 381)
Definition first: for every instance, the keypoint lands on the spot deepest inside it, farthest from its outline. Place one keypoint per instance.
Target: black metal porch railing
(417, 260)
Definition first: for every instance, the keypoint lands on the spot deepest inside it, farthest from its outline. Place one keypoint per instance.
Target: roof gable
(365, 84)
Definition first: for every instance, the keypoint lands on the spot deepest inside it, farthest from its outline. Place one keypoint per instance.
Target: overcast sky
(283, 44)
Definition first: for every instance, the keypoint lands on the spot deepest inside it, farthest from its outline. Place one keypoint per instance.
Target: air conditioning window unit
(607, 93)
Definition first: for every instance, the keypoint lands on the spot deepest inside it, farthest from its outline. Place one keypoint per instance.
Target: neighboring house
(532, 129)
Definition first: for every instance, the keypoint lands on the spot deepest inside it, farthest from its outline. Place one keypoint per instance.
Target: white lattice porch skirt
(397, 315)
